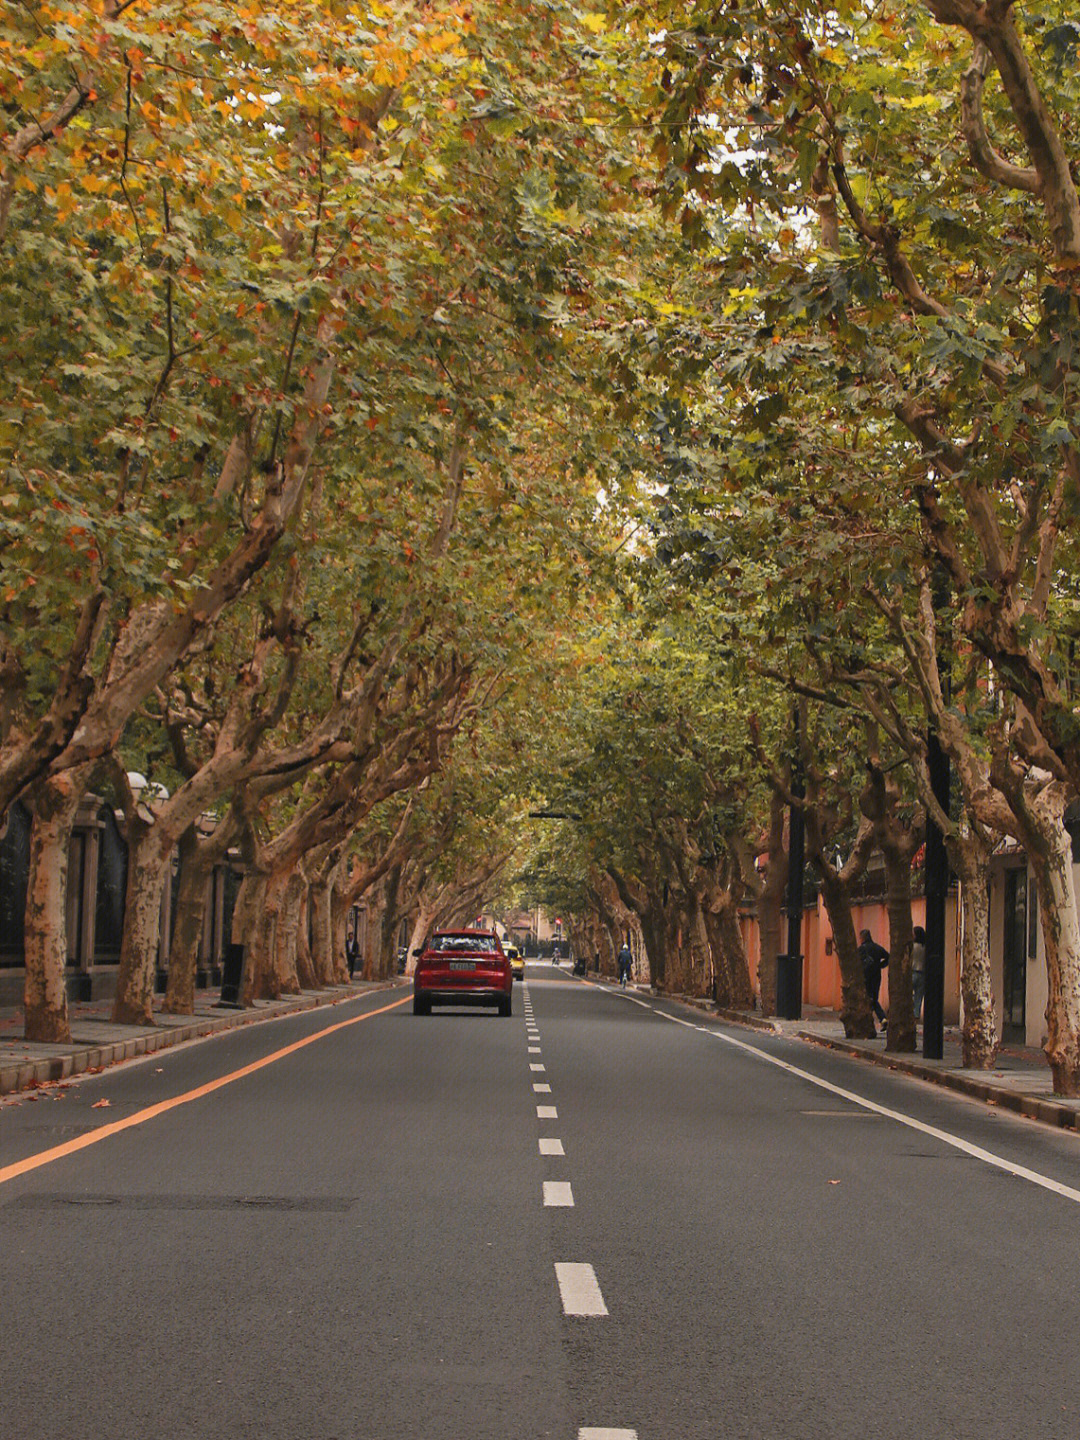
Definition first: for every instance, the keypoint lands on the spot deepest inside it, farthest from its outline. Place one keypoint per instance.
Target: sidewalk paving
(97, 1042)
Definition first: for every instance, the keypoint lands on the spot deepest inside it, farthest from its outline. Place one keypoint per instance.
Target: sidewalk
(97, 1042)
(1020, 1080)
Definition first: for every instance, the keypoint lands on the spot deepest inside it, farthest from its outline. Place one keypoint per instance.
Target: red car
(463, 967)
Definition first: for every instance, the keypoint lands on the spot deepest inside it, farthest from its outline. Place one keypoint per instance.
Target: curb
(28, 1074)
(1034, 1107)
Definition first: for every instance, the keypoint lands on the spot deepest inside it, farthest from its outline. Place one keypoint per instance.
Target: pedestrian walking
(873, 957)
(918, 968)
(352, 951)
(626, 964)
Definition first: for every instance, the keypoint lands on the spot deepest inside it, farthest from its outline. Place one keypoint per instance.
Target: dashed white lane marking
(998, 1162)
(558, 1193)
(551, 1147)
(546, 1112)
(579, 1289)
(590, 1432)
(537, 1069)
(541, 1089)
(534, 1050)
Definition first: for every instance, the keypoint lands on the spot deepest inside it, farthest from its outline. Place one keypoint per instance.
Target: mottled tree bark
(970, 857)
(147, 869)
(195, 872)
(1039, 807)
(53, 805)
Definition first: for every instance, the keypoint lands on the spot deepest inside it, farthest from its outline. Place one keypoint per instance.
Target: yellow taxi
(517, 960)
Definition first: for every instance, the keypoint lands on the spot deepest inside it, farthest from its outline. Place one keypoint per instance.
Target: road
(382, 1233)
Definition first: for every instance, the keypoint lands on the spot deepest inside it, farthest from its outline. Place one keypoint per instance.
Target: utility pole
(936, 871)
(789, 967)
(936, 889)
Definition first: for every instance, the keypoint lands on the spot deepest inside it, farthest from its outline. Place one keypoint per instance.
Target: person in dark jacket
(873, 957)
(918, 968)
(352, 951)
(626, 964)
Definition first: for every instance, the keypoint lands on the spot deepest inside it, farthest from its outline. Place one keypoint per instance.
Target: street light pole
(936, 888)
(936, 872)
(789, 967)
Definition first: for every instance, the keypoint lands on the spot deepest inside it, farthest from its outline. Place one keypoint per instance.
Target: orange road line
(140, 1117)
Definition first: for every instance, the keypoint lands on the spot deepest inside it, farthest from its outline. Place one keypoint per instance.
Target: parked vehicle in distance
(462, 967)
(517, 961)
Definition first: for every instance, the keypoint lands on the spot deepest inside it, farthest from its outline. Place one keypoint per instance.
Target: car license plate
(461, 965)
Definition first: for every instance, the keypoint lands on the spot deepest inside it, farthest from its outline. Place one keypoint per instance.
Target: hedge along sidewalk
(1020, 1080)
(97, 1042)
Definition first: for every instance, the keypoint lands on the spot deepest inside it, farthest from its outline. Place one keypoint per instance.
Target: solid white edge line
(579, 1289)
(976, 1152)
(1067, 1192)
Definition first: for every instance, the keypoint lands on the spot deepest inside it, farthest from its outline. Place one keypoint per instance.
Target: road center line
(579, 1289)
(557, 1193)
(546, 1112)
(551, 1147)
(140, 1117)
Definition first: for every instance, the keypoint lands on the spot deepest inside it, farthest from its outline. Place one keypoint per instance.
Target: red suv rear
(463, 967)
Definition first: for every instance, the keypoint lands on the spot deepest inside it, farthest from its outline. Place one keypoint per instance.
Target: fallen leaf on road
(834, 1182)
(100, 1104)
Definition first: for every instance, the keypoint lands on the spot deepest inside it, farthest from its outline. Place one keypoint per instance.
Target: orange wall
(821, 970)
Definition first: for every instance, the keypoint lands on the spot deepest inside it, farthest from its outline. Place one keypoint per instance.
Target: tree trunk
(256, 935)
(196, 866)
(294, 933)
(970, 858)
(901, 1035)
(855, 1012)
(1049, 849)
(54, 804)
(147, 869)
(339, 920)
(322, 933)
(372, 951)
(735, 952)
(421, 928)
(771, 909)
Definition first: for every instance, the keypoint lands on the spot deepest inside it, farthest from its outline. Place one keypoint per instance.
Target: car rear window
(469, 944)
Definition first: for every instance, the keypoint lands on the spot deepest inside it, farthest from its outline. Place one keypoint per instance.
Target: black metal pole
(937, 889)
(790, 968)
(936, 871)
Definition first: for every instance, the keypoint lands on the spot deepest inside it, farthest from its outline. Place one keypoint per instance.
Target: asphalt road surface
(606, 1217)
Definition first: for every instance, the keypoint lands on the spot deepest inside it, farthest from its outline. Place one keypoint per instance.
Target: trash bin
(789, 987)
(232, 974)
